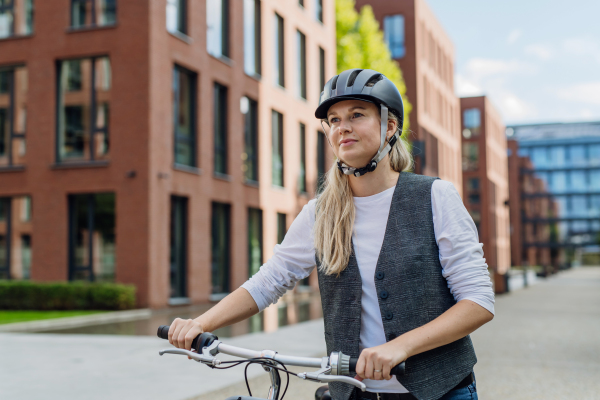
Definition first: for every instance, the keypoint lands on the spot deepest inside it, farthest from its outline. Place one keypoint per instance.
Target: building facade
(425, 53)
(166, 144)
(485, 182)
(565, 158)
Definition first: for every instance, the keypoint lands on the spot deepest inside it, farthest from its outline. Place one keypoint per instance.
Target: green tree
(360, 44)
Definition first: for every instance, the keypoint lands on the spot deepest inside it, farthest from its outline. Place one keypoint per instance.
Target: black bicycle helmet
(364, 85)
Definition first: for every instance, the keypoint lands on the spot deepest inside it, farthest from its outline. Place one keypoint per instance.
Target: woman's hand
(183, 331)
(377, 362)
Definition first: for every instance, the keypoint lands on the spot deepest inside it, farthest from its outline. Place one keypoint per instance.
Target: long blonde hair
(335, 210)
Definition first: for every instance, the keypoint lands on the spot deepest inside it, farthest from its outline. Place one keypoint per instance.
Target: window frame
(257, 36)
(220, 129)
(301, 53)
(251, 139)
(387, 34)
(182, 17)
(93, 17)
(177, 136)
(179, 204)
(302, 175)
(12, 135)
(258, 214)
(279, 58)
(225, 49)
(226, 208)
(277, 148)
(10, 7)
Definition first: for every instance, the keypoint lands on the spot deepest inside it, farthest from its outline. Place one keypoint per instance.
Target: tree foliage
(360, 44)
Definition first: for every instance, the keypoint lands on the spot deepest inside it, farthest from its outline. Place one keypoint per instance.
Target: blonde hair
(335, 210)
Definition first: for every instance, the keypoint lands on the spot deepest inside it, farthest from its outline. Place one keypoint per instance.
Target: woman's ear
(391, 128)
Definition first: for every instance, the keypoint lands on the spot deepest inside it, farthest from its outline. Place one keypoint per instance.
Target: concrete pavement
(543, 344)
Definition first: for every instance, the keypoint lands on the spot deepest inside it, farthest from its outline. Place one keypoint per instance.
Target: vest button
(383, 294)
(380, 275)
(389, 315)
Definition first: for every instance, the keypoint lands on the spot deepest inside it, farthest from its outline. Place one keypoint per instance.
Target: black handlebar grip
(203, 340)
(398, 370)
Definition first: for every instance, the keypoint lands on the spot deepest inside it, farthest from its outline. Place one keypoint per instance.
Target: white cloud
(514, 108)
(481, 68)
(587, 93)
(513, 36)
(582, 46)
(541, 51)
(465, 87)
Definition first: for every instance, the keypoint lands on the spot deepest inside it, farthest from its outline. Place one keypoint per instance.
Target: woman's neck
(374, 182)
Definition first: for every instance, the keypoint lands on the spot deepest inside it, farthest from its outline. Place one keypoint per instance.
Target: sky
(538, 61)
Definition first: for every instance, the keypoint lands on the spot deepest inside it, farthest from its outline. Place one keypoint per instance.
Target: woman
(401, 270)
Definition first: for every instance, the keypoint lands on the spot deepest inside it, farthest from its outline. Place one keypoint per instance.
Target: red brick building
(425, 54)
(166, 144)
(485, 179)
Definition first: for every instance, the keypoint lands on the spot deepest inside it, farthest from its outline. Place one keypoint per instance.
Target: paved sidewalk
(543, 344)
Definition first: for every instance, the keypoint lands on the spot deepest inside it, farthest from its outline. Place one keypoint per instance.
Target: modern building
(166, 144)
(566, 158)
(425, 53)
(529, 198)
(485, 180)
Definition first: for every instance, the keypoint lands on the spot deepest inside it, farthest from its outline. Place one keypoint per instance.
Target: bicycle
(331, 369)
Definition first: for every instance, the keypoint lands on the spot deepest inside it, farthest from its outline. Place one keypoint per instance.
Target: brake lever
(323, 376)
(203, 358)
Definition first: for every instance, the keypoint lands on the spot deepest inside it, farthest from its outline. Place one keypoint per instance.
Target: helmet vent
(353, 76)
(374, 79)
(334, 82)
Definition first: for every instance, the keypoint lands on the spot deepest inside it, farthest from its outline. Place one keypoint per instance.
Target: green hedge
(23, 295)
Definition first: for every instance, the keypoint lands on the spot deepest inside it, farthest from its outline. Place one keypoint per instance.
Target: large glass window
(84, 109)
(85, 13)
(539, 157)
(15, 237)
(471, 122)
(255, 255)
(178, 258)
(302, 173)
(470, 156)
(595, 180)
(277, 148)
(473, 184)
(578, 206)
(177, 16)
(577, 155)
(558, 156)
(250, 156)
(321, 160)
(301, 39)
(393, 31)
(319, 10)
(594, 206)
(220, 128)
(220, 245)
(184, 121)
(559, 182)
(594, 154)
(92, 237)
(562, 205)
(578, 181)
(16, 18)
(217, 21)
(252, 37)
(281, 227)
(278, 52)
(13, 115)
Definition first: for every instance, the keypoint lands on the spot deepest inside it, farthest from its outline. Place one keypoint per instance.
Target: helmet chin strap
(381, 153)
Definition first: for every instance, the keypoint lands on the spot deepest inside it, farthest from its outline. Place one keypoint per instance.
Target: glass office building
(566, 157)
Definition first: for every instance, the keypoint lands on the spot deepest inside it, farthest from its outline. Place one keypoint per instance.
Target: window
(184, 116)
(557, 155)
(470, 156)
(178, 257)
(393, 31)
(321, 71)
(250, 156)
(84, 109)
(220, 247)
(471, 122)
(539, 156)
(277, 148)
(595, 206)
(86, 13)
(255, 255)
(12, 228)
(578, 181)
(278, 53)
(474, 198)
(320, 159)
(92, 237)
(302, 174)
(217, 21)
(220, 126)
(301, 64)
(177, 16)
(559, 182)
(473, 184)
(252, 37)
(578, 206)
(13, 115)
(594, 153)
(476, 216)
(281, 227)
(16, 18)
(577, 155)
(595, 180)
(301, 3)
(319, 10)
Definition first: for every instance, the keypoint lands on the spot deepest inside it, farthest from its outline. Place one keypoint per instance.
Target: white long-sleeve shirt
(461, 257)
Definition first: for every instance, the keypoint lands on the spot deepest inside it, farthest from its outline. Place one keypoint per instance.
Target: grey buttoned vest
(411, 292)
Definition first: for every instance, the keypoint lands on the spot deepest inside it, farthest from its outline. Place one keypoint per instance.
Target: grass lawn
(7, 317)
